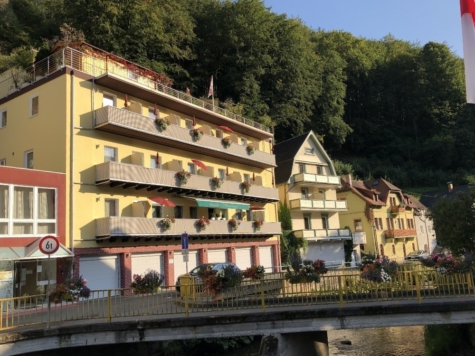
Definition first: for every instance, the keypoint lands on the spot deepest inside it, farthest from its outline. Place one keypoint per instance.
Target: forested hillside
(386, 108)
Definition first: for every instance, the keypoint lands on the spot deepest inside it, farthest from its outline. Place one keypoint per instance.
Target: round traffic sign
(49, 244)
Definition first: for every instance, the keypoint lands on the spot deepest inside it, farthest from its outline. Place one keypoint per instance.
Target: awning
(162, 201)
(220, 204)
(225, 128)
(199, 164)
(31, 252)
(253, 207)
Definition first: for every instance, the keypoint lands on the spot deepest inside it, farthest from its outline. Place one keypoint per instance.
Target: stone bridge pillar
(313, 343)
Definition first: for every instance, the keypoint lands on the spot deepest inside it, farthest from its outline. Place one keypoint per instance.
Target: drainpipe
(71, 167)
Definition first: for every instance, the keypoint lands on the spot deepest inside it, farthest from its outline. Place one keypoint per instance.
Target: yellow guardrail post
(263, 301)
(187, 297)
(1, 315)
(340, 291)
(418, 288)
(109, 316)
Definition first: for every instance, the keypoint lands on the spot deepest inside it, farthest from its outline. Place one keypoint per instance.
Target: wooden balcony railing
(138, 177)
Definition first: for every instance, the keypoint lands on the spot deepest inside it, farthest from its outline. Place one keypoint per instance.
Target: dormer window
(320, 170)
(301, 167)
(309, 151)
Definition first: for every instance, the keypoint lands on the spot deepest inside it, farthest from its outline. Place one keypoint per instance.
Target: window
(155, 161)
(222, 174)
(301, 167)
(28, 160)
(309, 151)
(413, 247)
(219, 133)
(108, 100)
(400, 224)
(238, 214)
(243, 141)
(3, 162)
(193, 212)
(189, 124)
(156, 211)
(3, 118)
(358, 225)
(410, 223)
(303, 193)
(378, 222)
(191, 168)
(111, 207)
(390, 223)
(394, 249)
(307, 221)
(381, 249)
(151, 113)
(325, 221)
(34, 105)
(323, 193)
(247, 178)
(110, 154)
(320, 170)
(178, 212)
(392, 201)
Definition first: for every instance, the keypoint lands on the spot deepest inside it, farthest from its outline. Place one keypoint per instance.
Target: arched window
(394, 249)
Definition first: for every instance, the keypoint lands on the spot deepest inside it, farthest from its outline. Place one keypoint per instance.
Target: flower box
(257, 224)
(197, 134)
(246, 186)
(162, 123)
(250, 149)
(167, 223)
(217, 182)
(234, 224)
(226, 142)
(201, 223)
(183, 176)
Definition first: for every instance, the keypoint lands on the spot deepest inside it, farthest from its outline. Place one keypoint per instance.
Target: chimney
(348, 179)
(450, 187)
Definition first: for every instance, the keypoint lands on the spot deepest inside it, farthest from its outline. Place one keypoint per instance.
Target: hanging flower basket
(258, 224)
(226, 142)
(234, 224)
(201, 223)
(217, 182)
(250, 149)
(254, 272)
(183, 176)
(167, 223)
(162, 123)
(197, 134)
(246, 186)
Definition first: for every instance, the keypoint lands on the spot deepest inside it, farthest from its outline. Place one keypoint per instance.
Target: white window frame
(191, 168)
(222, 173)
(309, 151)
(3, 162)
(3, 112)
(31, 105)
(153, 162)
(35, 221)
(247, 177)
(116, 206)
(25, 159)
(114, 98)
(116, 152)
(243, 141)
(161, 211)
(189, 124)
(304, 193)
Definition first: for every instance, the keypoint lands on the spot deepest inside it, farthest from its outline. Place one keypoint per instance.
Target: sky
(416, 21)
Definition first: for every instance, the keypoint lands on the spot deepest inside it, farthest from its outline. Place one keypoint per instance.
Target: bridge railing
(338, 287)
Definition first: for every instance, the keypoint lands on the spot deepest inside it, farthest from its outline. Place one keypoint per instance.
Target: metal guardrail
(15, 79)
(339, 287)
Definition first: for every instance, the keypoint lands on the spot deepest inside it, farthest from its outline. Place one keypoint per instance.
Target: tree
(454, 222)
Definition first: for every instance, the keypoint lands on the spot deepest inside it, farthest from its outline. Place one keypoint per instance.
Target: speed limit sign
(49, 244)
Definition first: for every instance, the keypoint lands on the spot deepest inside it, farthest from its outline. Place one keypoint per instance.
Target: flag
(227, 171)
(157, 159)
(253, 177)
(210, 91)
(194, 121)
(467, 10)
(155, 109)
(126, 100)
(188, 90)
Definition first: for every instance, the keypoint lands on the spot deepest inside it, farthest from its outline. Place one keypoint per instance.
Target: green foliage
(348, 247)
(290, 247)
(285, 217)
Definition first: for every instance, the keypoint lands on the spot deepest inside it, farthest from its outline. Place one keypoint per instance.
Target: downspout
(71, 167)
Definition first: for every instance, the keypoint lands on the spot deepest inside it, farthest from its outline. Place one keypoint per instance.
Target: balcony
(316, 179)
(322, 235)
(133, 125)
(318, 205)
(138, 177)
(402, 233)
(359, 238)
(396, 209)
(136, 228)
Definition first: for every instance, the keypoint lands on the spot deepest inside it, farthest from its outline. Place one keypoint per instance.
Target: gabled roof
(361, 190)
(430, 198)
(286, 151)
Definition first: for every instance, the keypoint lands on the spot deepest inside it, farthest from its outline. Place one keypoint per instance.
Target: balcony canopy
(220, 204)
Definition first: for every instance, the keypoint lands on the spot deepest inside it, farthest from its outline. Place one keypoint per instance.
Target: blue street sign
(184, 241)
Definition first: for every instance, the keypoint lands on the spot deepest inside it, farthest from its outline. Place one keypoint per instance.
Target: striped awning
(220, 204)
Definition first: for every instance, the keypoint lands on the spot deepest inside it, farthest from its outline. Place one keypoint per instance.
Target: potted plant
(217, 281)
(378, 270)
(246, 186)
(258, 224)
(147, 283)
(58, 293)
(162, 123)
(250, 149)
(197, 134)
(233, 223)
(254, 272)
(77, 287)
(302, 273)
(226, 141)
(167, 223)
(201, 223)
(217, 182)
(183, 176)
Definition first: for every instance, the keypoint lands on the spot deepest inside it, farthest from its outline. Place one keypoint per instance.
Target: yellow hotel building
(136, 184)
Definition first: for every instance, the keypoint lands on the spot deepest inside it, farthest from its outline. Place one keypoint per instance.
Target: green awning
(221, 204)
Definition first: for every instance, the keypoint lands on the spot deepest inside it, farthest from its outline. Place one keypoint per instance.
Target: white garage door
(265, 258)
(141, 262)
(215, 256)
(180, 264)
(333, 253)
(243, 258)
(101, 272)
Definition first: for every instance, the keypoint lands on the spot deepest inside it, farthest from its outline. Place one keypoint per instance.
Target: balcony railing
(122, 227)
(154, 178)
(320, 205)
(400, 233)
(359, 237)
(336, 234)
(96, 66)
(316, 178)
(130, 124)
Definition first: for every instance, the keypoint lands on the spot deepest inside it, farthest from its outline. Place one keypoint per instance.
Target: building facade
(307, 183)
(381, 217)
(143, 164)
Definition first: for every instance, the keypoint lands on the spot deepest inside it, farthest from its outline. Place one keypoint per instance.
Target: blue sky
(417, 21)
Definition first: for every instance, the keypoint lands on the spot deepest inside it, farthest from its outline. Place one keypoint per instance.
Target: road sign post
(49, 245)
(184, 247)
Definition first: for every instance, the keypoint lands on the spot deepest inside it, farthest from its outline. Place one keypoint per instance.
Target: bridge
(293, 318)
